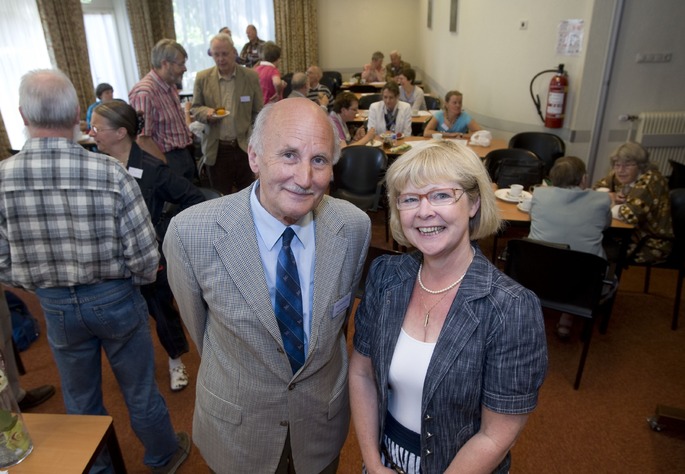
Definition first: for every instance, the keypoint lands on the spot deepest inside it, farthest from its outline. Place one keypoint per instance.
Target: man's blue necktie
(289, 303)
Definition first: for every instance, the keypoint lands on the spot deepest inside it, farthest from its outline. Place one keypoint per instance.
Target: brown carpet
(600, 428)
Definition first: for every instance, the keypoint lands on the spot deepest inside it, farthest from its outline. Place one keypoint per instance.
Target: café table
(68, 443)
(366, 87)
(481, 151)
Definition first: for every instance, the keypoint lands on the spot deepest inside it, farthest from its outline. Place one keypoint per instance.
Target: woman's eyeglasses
(618, 166)
(437, 197)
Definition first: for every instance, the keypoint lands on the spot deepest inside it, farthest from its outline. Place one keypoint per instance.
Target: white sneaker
(179, 378)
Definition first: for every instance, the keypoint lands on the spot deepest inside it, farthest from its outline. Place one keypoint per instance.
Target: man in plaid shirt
(74, 228)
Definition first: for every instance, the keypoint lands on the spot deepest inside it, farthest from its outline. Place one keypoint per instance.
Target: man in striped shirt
(165, 133)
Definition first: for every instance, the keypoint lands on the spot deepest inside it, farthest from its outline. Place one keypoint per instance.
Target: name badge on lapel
(340, 306)
(135, 172)
(244, 98)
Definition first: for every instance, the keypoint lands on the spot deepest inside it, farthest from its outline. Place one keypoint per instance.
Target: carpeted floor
(602, 427)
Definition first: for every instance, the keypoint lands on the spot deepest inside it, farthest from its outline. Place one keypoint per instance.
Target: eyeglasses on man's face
(437, 197)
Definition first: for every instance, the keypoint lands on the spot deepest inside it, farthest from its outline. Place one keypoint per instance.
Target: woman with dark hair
(115, 127)
(452, 121)
(345, 109)
(269, 76)
(639, 196)
(410, 93)
(390, 114)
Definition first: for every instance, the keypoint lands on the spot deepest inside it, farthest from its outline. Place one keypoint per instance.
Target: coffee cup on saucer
(525, 203)
(515, 190)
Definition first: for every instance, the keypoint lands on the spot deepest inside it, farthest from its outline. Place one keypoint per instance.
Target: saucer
(504, 195)
(521, 208)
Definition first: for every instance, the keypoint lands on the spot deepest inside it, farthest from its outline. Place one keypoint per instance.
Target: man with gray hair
(165, 133)
(226, 100)
(395, 67)
(75, 229)
(298, 85)
(265, 280)
(318, 92)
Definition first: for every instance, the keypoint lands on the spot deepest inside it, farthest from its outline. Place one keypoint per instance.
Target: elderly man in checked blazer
(264, 403)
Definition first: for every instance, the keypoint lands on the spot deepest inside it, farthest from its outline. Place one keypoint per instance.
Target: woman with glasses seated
(639, 196)
(345, 109)
(449, 352)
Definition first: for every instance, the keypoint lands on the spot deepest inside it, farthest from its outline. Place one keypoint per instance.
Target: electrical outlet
(653, 57)
(523, 24)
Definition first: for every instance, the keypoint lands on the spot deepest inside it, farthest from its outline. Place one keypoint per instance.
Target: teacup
(603, 190)
(437, 136)
(515, 190)
(525, 203)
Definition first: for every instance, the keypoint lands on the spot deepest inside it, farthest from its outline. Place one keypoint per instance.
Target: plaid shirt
(165, 119)
(71, 217)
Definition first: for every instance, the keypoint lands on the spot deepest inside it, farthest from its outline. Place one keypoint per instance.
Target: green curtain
(297, 33)
(151, 21)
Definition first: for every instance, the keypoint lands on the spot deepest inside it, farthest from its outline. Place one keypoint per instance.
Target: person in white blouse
(410, 93)
(390, 114)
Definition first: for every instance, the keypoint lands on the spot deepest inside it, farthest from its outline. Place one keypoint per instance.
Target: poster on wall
(570, 37)
(429, 22)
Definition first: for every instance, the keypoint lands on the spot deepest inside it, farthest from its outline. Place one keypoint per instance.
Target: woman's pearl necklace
(437, 292)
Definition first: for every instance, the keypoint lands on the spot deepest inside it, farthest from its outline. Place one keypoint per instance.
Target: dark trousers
(182, 163)
(231, 172)
(160, 305)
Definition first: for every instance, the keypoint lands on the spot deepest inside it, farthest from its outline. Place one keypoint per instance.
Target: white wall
(492, 61)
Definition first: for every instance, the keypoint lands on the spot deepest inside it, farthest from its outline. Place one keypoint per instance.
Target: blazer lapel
(331, 250)
(239, 252)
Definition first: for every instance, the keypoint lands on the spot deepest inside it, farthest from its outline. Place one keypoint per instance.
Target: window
(110, 47)
(22, 49)
(197, 21)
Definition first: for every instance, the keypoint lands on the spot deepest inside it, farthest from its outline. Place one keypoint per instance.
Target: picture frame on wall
(454, 6)
(429, 18)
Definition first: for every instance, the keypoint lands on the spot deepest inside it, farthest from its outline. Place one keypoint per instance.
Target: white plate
(374, 143)
(504, 195)
(221, 116)
(520, 208)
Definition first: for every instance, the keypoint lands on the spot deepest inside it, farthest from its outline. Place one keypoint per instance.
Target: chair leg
(676, 303)
(586, 336)
(648, 274)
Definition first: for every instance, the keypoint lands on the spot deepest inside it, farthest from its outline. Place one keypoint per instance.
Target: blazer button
(292, 386)
(284, 423)
(428, 418)
(280, 349)
(429, 435)
(428, 452)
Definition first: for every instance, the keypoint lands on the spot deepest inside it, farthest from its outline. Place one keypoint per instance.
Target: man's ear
(26, 122)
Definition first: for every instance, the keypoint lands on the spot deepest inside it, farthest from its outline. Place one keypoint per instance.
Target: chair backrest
(362, 88)
(288, 87)
(358, 174)
(565, 280)
(335, 78)
(432, 103)
(210, 193)
(365, 101)
(677, 178)
(547, 146)
(509, 166)
(677, 197)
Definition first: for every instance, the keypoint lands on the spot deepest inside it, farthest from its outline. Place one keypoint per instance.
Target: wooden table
(481, 151)
(68, 443)
(367, 87)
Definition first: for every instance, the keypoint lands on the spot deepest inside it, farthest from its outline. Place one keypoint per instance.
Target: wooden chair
(565, 280)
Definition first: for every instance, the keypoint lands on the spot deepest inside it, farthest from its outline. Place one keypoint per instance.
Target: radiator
(663, 135)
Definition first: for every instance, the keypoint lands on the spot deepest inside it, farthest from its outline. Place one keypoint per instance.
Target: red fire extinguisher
(556, 98)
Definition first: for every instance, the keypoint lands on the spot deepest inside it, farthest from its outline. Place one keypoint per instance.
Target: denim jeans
(111, 315)
(160, 304)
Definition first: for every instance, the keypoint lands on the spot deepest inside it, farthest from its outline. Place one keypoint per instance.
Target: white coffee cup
(515, 190)
(437, 136)
(525, 203)
(603, 190)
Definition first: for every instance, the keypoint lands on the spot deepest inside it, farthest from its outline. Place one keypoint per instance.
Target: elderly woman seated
(639, 196)
(345, 109)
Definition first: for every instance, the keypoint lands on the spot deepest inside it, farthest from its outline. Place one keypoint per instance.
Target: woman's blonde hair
(439, 162)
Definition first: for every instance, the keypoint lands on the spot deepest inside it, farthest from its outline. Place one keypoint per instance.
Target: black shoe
(35, 397)
(179, 456)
